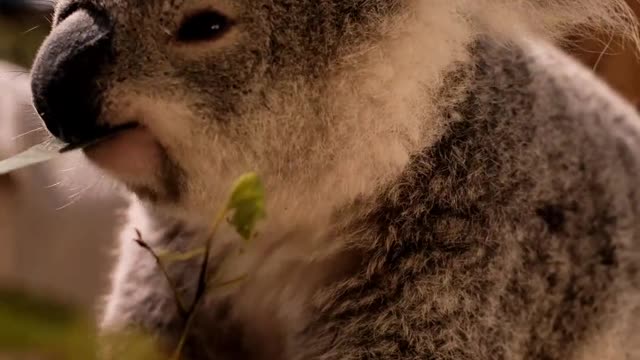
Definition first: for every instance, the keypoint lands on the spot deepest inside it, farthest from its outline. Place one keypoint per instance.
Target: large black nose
(65, 75)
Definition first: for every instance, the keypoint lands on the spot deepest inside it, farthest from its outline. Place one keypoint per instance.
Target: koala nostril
(65, 73)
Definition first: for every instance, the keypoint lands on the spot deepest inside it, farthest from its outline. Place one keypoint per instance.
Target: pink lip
(130, 153)
(108, 134)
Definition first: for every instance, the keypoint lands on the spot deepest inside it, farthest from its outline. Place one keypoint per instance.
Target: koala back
(513, 236)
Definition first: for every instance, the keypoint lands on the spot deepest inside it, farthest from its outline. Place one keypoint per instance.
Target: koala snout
(65, 73)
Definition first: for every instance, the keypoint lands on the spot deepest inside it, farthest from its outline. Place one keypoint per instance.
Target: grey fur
(511, 232)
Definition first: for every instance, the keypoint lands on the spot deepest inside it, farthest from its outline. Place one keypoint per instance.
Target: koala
(442, 181)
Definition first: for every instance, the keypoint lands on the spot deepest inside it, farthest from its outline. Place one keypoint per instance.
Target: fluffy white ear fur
(554, 19)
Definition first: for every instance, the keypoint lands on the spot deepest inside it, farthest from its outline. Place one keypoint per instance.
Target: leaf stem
(187, 327)
(181, 308)
(202, 283)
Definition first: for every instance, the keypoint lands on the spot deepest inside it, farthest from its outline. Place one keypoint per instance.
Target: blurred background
(58, 221)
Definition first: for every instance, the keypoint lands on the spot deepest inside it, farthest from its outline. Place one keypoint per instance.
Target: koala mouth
(103, 135)
(129, 151)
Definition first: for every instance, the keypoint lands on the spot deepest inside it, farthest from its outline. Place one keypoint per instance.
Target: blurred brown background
(57, 221)
(612, 60)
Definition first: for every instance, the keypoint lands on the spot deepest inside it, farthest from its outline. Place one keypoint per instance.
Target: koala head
(323, 98)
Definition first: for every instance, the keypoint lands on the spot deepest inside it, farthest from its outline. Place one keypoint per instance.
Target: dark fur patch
(553, 216)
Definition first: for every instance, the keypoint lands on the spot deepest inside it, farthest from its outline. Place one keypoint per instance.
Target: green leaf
(247, 203)
(32, 156)
(52, 149)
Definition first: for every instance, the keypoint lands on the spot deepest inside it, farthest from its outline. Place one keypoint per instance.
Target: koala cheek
(131, 156)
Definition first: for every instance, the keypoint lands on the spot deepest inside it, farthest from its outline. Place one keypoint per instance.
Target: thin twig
(187, 327)
(179, 304)
(203, 276)
(202, 284)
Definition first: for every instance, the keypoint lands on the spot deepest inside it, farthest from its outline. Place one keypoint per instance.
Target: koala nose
(65, 73)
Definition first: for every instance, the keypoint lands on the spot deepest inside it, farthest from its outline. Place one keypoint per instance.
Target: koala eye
(203, 26)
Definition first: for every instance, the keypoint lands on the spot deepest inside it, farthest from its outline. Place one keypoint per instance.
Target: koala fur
(442, 182)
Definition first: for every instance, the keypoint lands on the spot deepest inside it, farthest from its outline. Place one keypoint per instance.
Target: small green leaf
(32, 156)
(52, 149)
(247, 203)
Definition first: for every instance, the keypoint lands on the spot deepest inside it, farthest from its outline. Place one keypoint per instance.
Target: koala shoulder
(528, 200)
